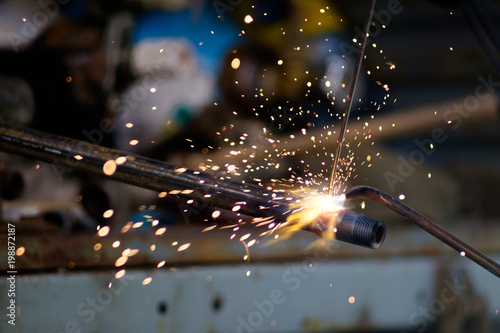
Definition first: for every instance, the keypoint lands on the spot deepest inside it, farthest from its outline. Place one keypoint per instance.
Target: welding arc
(426, 224)
(350, 98)
(68, 155)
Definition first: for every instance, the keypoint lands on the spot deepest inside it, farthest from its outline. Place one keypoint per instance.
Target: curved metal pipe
(426, 224)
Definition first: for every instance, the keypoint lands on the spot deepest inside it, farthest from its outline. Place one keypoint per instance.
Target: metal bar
(426, 224)
(73, 155)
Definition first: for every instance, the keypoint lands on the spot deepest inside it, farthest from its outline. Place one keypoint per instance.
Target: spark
(183, 247)
(104, 231)
(120, 274)
(120, 160)
(121, 261)
(109, 167)
(248, 19)
(209, 228)
(160, 231)
(20, 251)
(130, 252)
(235, 63)
(126, 227)
(107, 214)
(244, 237)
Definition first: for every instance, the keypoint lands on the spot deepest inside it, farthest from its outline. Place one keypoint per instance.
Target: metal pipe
(71, 155)
(432, 228)
(352, 227)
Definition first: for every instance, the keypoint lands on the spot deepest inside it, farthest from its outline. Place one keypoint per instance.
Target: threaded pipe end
(359, 229)
(368, 231)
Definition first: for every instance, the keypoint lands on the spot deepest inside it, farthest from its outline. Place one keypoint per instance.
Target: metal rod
(69, 155)
(426, 224)
(350, 97)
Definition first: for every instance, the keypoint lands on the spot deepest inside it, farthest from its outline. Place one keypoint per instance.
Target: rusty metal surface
(53, 250)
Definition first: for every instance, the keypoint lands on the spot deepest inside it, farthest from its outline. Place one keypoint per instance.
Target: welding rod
(70, 155)
(432, 228)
